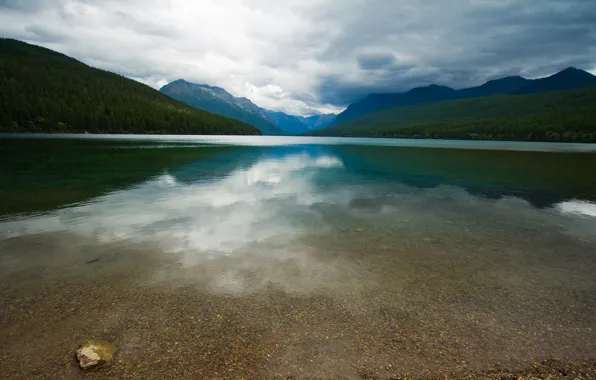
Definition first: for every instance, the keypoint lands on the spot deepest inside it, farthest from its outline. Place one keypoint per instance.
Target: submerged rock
(95, 353)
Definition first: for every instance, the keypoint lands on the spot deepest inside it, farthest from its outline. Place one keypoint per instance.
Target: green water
(256, 257)
(40, 174)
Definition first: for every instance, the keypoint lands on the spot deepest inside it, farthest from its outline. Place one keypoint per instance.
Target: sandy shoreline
(182, 335)
(377, 321)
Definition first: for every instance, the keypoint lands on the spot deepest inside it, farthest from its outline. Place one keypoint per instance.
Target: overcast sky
(309, 56)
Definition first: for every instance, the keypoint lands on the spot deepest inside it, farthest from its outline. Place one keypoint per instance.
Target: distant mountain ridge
(219, 101)
(507, 85)
(288, 123)
(560, 116)
(570, 78)
(567, 79)
(317, 121)
(300, 124)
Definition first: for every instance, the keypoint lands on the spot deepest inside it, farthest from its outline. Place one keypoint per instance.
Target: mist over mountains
(219, 101)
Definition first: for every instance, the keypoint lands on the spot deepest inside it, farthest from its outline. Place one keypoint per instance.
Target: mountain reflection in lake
(313, 261)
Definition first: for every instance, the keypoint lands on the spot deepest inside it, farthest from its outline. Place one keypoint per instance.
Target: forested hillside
(45, 91)
(568, 79)
(550, 116)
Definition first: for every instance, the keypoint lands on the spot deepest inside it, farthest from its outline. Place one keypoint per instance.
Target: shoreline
(170, 322)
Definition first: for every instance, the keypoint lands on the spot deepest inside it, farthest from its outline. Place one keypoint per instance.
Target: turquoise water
(334, 254)
(44, 172)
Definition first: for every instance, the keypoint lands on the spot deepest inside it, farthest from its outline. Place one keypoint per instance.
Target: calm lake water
(264, 257)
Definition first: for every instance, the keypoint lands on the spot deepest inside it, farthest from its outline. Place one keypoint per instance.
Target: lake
(290, 257)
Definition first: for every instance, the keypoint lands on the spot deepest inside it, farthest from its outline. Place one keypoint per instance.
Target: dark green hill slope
(378, 102)
(567, 79)
(552, 116)
(564, 80)
(501, 86)
(45, 91)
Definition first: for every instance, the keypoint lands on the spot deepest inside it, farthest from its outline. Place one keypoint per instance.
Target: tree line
(45, 91)
(558, 116)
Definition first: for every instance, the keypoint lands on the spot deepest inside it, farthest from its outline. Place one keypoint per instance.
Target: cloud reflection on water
(244, 229)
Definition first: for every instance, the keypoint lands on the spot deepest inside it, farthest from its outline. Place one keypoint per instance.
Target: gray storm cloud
(312, 56)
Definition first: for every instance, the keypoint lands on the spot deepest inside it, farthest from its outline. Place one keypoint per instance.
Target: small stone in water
(95, 353)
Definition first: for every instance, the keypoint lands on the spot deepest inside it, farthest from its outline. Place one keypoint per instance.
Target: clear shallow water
(300, 257)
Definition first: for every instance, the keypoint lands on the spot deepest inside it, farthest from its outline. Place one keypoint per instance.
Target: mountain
(299, 124)
(317, 121)
(44, 91)
(290, 124)
(377, 102)
(568, 115)
(564, 80)
(506, 85)
(569, 78)
(219, 101)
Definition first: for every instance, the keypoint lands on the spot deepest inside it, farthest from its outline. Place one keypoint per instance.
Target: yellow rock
(95, 353)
